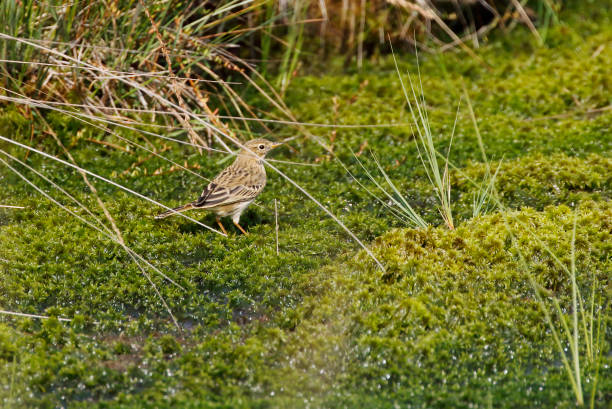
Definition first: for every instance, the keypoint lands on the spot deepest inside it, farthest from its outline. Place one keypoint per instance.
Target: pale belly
(234, 210)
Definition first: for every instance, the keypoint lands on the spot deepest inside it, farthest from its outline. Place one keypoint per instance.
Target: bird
(233, 190)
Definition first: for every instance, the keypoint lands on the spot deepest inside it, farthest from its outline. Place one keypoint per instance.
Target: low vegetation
(456, 318)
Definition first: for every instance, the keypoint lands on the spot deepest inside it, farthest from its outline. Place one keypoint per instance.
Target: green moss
(452, 322)
(538, 180)
(454, 313)
(7, 346)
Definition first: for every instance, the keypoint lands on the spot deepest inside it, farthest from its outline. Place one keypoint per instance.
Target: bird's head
(260, 147)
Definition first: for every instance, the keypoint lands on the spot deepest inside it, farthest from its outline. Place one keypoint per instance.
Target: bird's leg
(221, 225)
(240, 227)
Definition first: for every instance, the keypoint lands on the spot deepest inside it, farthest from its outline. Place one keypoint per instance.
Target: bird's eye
(261, 147)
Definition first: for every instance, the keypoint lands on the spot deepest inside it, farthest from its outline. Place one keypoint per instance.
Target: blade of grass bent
(44, 317)
(396, 213)
(410, 212)
(575, 309)
(330, 214)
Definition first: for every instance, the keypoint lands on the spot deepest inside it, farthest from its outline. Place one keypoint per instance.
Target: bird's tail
(175, 210)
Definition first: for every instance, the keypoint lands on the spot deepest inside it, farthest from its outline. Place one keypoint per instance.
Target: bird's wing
(215, 195)
(226, 189)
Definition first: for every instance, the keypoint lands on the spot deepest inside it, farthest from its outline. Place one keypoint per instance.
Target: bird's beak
(276, 145)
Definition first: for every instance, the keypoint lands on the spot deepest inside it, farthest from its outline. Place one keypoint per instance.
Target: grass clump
(440, 180)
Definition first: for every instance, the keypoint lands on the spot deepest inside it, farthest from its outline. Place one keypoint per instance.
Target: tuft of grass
(118, 71)
(439, 178)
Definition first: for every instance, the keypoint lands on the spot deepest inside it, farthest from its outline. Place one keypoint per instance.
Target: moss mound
(454, 321)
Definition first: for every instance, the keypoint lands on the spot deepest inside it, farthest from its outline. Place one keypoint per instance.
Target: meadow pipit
(235, 187)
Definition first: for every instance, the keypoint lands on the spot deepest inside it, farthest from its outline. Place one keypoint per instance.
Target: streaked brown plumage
(233, 190)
